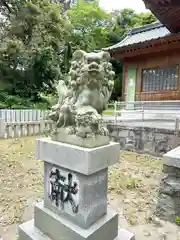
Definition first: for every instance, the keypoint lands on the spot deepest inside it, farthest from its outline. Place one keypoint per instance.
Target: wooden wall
(165, 59)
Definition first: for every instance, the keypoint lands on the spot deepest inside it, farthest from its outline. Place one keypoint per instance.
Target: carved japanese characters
(62, 190)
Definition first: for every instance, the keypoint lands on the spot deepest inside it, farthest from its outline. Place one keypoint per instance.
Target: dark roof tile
(142, 34)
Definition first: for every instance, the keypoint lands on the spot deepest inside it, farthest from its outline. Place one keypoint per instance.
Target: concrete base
(28, 231)
(125, 235)
(75, 204)
(78, 159)
(55, 226)
(91, 142)
(172, 158)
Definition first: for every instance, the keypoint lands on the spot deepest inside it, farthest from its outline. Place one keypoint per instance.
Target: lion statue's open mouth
(93, 67)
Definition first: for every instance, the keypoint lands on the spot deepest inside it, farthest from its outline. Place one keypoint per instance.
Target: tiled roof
(142, 34)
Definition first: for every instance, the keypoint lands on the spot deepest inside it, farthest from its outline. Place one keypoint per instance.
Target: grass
(178, 220)
(108, 112)
(133, 183)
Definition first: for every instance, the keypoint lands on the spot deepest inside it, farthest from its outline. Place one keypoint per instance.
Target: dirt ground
(133, 190)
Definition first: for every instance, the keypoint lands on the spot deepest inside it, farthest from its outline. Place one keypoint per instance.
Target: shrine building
(151, 56)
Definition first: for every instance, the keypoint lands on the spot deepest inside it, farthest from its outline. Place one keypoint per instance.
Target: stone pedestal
(75, 196)
(168, 207)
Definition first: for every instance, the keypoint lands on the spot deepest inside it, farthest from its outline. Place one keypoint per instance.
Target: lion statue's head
(94, 66)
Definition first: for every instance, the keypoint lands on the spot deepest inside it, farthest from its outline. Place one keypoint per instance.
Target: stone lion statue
(84, 97)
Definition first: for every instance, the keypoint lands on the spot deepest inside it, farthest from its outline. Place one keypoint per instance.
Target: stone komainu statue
(84, 97)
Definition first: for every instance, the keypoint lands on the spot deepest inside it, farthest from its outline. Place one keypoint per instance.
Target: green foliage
(147, 18)
(117, 66)
(133, 183)
(91, 26)
(127, 19)
(30, 55)
(37, 40)
(178, 220)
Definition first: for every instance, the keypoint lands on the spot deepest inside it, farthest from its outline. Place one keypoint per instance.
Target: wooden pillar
(138, 83)
(178, 81)
(125, 80)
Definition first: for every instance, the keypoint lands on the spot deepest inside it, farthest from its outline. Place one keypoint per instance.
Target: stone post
(2, 128)
(75, 194)
(168, 207)
(42, 126)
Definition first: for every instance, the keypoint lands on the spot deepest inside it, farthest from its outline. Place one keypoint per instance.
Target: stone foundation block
(170, 171)
(59, 228)
(170, 186)
(172, 158)
(125, 235)
(86, 161)
(28, 231)
(165, 208)
(82, 200)
(168, 206)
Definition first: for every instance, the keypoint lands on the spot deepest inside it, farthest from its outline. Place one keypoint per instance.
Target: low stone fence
(23, 129)
(153, 141)
(148, 140)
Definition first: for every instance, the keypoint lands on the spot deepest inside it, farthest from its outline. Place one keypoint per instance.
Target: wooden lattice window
(159, 79)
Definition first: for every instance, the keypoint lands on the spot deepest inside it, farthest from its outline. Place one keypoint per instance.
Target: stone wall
(148, 140)
(168, 206)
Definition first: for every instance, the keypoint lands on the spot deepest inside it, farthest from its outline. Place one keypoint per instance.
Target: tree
(9, 7)
(37, 38)
(126, 19)
(147, 18)
(129, 18)
(66, 3)
(30, 55)
(91, 26)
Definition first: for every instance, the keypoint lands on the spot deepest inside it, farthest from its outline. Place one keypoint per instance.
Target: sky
(109, 5)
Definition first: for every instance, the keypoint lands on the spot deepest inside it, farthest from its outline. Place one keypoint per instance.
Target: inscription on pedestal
(79, 198)
(63, 190)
